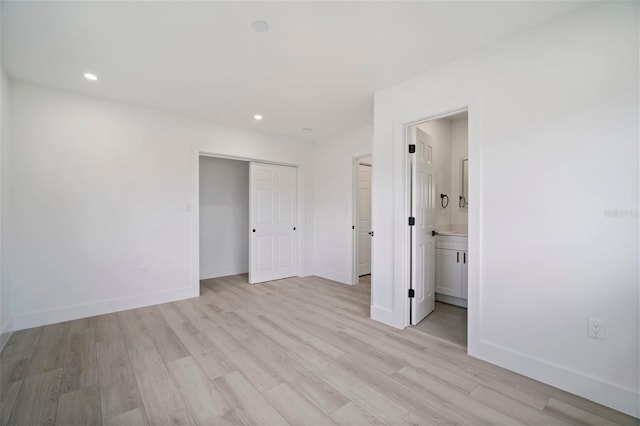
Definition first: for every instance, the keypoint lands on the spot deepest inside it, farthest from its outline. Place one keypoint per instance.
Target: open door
(273, 246)
(363, 210)
(422, 240)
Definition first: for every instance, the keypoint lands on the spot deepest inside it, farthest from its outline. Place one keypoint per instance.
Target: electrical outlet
(596, 329)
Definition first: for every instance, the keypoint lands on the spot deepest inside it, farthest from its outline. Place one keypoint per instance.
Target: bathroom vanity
(452, 259)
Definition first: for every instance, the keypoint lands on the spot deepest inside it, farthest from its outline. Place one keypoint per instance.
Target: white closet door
(273, 245)
(364, 219)
(423, 242)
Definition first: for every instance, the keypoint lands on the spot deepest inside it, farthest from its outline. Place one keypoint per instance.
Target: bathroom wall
(450, 145)
(459, 150)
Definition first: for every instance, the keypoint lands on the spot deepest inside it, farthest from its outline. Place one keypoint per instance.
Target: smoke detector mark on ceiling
(260, 26)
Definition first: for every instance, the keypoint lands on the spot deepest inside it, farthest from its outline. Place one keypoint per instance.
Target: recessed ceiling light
(260, 26)
(307, 130)
(258, 117)
(91, 77)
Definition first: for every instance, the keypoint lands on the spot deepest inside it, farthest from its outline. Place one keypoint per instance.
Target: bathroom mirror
(464, 183)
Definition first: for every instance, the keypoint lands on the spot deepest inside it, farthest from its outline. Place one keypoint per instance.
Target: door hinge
(412, 221)
(412, 293)
(412, 148)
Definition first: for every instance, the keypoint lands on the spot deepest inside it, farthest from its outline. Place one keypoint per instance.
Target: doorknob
(371, 233)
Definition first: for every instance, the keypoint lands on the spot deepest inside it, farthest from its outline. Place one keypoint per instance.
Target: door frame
(194, 209)
(404, 238)
(355, 161)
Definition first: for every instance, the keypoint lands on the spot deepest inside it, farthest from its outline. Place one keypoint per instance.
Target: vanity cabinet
(452, 260)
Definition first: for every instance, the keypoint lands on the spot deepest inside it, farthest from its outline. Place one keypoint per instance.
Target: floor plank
(295, 408)
(133, 417)
(38, 399)
(118, 388)
(49, 354)
(79, 408)
(354, 415)
(293, 351)
(250, 406)
(80, 366)
(573, 414)
(162, 401)
(8, 399)
(205, 403)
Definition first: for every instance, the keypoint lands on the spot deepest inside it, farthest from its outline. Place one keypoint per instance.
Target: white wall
(103, 198)
(224, 217)
(553, 152)
(333, 203)
(459, 150)
(5, 296)
(440, 134)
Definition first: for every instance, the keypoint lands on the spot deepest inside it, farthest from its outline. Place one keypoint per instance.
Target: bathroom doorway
(438, 166)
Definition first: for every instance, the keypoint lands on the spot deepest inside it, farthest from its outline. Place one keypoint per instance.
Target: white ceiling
(317, 67)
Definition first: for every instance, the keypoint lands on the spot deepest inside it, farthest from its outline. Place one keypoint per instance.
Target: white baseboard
(594, 389)
(5, 334)
(68, 313)
(208, 272)
(332, 275)
(452, 300)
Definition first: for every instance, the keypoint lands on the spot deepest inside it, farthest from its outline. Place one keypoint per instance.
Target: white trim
(386, 316)
(401, 209)
(600, 391)
(209, 272)
(329, 274)
(452, 300)
(72, 312)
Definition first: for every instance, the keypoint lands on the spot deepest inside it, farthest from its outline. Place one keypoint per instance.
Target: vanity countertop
(460, 230)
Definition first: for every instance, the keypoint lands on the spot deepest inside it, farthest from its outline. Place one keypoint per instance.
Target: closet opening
(247, 220)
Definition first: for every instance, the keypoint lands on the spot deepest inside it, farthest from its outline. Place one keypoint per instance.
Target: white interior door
(364, 219)
(273, 214)
(422, 242)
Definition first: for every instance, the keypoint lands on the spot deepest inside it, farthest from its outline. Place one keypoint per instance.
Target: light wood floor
(296, 351)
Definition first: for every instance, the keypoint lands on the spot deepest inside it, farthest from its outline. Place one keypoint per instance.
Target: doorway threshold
(446, 322)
